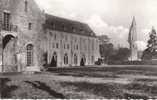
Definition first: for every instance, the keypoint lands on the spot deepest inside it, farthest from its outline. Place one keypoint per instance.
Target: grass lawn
(138, 82)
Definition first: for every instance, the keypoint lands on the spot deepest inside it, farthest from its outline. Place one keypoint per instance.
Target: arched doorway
(9, 60)
(83, 61)
(54, 60)
(30, 49)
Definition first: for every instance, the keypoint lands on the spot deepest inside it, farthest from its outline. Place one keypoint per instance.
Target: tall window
(30, 26)
(92, 44)
(55, 36)
(66, 59)
(75, 59)
(6, 21)
(68, 46)
(26, 5)
(57, 45)
(29, 55)
(92, 59)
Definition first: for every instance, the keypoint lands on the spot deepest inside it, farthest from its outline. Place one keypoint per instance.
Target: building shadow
(44, 87)
(6, 90)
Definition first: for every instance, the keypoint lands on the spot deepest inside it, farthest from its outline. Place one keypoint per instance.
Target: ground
(84, 82)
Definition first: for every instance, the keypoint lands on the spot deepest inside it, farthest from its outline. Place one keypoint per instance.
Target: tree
(151, 47)
(106, 51)
(123, 54)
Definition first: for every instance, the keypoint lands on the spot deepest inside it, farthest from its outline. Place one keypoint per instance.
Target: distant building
(132, 41)
(30, 39)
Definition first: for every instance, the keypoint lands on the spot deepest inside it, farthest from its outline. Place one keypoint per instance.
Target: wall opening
(30, 56)
(54, 60)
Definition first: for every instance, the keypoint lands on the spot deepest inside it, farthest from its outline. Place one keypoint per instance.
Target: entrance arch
(83, 61)
(9, 59)
(54, 60)
(7, 39)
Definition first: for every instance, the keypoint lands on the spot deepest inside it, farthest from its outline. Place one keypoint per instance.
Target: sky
(108, 17)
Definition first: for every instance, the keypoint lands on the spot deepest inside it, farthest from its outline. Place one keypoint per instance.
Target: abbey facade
(31, 39)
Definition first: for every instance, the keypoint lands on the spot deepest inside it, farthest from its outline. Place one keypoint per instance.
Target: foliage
(99, 62)
(106, 51)
(151, 47)
(122, 54)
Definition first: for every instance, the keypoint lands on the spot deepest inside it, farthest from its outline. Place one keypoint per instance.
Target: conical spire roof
(133, 32)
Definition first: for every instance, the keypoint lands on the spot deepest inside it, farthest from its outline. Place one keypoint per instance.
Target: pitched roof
(69, 26)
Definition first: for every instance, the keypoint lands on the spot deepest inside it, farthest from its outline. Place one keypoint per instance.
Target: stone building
(30, 39)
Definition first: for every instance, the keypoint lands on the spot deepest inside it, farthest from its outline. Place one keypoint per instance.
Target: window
(73, 29)
(26, 5)
(93, 45)
(51, 34)
(77, 47)
(66, 59)
(64, 46)
(75, 59)
(92, 59)
(29, 55)
(53, 25)
(6, 21)
(75, 39)
(55, 36)
(68, 47)
(66, 38)
(57, 45)
(63, 27)
(53, 45)
(30, 26)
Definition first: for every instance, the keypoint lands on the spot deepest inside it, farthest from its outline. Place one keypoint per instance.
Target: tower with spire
(132, 38)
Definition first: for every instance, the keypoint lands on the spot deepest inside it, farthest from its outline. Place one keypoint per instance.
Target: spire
(134, 21)
(132, 38)
(133, 32)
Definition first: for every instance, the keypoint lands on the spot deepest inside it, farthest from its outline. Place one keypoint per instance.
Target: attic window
(26, 5)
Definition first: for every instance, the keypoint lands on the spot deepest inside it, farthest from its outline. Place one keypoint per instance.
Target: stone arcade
(29, 39)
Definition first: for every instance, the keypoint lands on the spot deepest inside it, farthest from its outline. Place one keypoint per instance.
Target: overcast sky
(110, 17)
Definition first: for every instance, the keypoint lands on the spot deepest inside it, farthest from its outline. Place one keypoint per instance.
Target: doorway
(54, 60)
(9, 60)
(83, 61)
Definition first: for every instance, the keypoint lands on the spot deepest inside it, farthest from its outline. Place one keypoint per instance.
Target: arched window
(75, 59)
(29, 55)
(66, 59)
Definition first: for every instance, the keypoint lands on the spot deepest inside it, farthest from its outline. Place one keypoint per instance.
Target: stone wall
(21, 18)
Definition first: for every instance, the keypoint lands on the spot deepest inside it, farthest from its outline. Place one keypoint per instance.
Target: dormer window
(26, 5)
